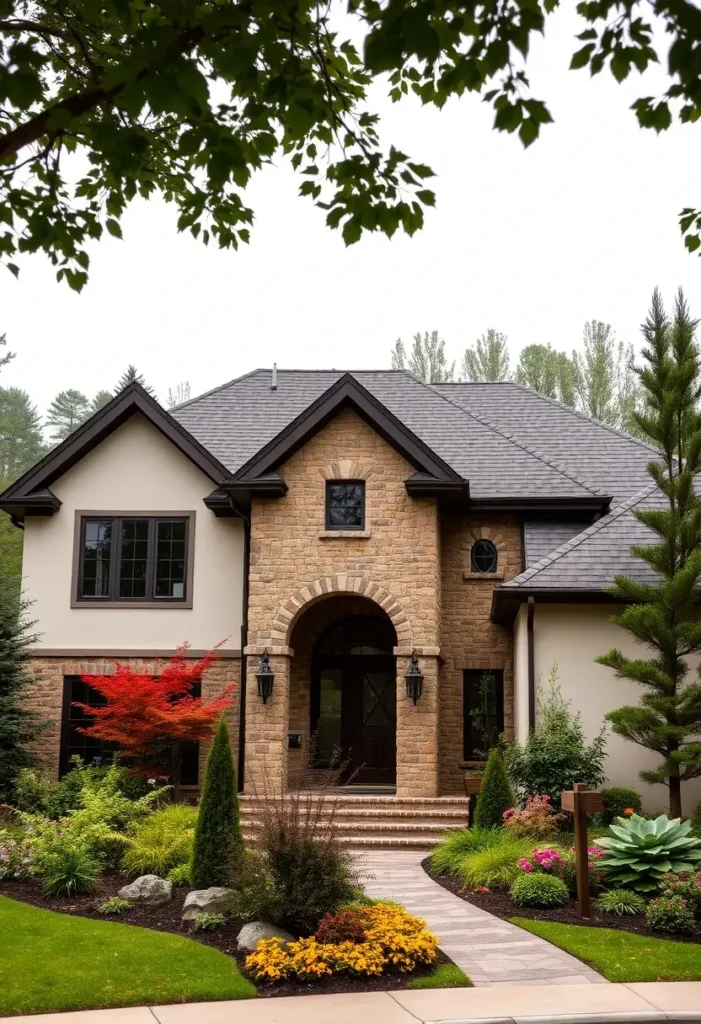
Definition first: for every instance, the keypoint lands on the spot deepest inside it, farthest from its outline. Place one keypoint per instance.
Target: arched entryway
(353, 699)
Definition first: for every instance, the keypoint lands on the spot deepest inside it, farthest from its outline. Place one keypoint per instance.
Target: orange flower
(628, 811)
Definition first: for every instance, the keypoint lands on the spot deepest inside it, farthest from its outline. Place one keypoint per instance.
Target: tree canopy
(189, 98)
(427, 360)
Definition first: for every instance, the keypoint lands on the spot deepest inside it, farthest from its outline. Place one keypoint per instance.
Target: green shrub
(496, 795)
(447, 858)
(494, 868)
(616, 800)
(68, 870)
(641, 852)
(669, 914)
(688, 886)
(537, 890)
(179, 875)
(115, 905)
(538, 820)
(254, 892)
(623, 902)
(161, 841)
(218, 842)
(36, 793)
(555, 755)
(209, 922)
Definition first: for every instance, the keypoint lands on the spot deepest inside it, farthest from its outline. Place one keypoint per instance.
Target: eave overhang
(506, 601)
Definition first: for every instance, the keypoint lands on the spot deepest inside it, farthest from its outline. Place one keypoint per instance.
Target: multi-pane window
(483, 711)
(133, 558)
(484, 556)
(74, 742)
(345, 505)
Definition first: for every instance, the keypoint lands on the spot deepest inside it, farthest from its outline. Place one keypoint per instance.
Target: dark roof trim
(133, 399)
(507, 601)
(574, 504)
(346, 392)
(423, 485)
(41, 503)
(269, 486)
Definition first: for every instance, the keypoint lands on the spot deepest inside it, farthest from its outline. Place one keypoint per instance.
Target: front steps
(369, 821)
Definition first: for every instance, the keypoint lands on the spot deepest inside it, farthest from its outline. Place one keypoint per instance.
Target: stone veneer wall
(46, 697)
(395, 562)
(469, 639)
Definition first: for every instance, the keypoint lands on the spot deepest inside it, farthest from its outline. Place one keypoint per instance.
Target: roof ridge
(580, 538)
(598, 492)
(220, 387)
(618, 431)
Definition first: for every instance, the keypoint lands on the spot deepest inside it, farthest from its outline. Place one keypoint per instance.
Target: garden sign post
(581, 802)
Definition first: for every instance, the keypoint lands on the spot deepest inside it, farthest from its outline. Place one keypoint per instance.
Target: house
(342, 529)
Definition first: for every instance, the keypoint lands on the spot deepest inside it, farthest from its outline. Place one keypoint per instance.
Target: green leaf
(352, 231)
(113, 227)
(580, 59)
(427, 197)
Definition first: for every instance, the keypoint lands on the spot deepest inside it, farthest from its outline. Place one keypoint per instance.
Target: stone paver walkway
(491, 951)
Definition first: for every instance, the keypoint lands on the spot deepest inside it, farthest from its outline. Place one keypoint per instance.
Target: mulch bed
(168, 918)
(501, 905)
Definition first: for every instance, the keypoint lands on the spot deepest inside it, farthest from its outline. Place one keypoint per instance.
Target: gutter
(531, 664)
(244, 641)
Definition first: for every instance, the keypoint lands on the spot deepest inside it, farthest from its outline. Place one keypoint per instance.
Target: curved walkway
(490, 950)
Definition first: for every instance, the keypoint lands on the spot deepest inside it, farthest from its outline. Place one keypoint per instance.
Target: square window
(345, 505)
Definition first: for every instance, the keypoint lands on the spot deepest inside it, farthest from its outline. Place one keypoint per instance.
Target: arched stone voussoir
(341, 583)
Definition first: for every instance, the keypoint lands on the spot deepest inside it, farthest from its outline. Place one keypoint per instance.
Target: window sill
(131, 604)
(345, 535)
(483, 575)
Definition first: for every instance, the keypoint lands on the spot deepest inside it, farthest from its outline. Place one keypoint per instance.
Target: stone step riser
(458, 818)
(374, 842)
(364, 803)
(422, 827)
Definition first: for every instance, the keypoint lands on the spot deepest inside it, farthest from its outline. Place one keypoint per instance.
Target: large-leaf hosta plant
(640, 852)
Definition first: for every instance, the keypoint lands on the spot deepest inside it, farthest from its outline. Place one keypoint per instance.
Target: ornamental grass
(394, 941)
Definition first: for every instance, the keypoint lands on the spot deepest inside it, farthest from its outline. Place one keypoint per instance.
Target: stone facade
(46, 697)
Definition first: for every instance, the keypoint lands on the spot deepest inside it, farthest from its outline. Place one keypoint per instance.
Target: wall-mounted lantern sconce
(414, 678)
(264, 677)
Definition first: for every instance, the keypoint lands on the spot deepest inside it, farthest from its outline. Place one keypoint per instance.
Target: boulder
(251, 934)
(147, 891)
(216, 900)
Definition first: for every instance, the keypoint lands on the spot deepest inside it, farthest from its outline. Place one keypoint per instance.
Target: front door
(354, 700)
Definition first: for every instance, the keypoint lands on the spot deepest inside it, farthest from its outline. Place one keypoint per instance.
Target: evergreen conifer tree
(662, 615)
(67, 411)
(496, 794)
(18, 725)
(132, 376)
(218, 841)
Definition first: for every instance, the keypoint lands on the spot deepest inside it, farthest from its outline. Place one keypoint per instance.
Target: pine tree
(101, 399)
(18, 725)
(662, 615)
(427, 361)
(21, 440)
(218, 841)
(67, 411)
(496, 794)
(548, 372)
(132, 376)
(488, 360)
(4, 359)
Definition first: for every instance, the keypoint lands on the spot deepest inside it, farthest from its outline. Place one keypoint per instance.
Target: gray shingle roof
(592, 559)
(600, 455)
(540, 538)
(234, 421)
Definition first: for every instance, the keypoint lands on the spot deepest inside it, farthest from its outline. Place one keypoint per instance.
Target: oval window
(484, 556)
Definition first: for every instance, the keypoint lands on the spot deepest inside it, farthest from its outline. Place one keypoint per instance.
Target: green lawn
(442, 976)
(54, 961)
(619, 955)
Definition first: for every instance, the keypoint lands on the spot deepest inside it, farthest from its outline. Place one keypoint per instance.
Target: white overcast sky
(533, 243)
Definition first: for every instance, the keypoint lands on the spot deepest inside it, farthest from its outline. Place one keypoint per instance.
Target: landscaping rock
(215, 900)
(251, 934)
(147, 891)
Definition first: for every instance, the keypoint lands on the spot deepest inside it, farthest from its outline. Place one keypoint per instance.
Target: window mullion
(115, 558)
(151, 561)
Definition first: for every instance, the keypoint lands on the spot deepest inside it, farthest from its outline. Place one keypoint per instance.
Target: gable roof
(242, 417)
(32, 493)
(598, 454)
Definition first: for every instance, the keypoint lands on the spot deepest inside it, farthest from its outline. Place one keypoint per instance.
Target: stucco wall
(521, 674)
(572, 636)
(135, 469)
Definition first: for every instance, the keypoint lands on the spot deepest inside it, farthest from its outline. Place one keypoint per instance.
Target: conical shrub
(218, 841)
(496, 794)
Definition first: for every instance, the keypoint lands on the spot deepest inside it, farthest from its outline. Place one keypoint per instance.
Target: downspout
(244, 640)
(531, 665)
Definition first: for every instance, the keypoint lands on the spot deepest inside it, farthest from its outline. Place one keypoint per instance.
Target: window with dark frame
(133, 558)
(345, 505)
(483, 711)
(94, 751)
(483, 557)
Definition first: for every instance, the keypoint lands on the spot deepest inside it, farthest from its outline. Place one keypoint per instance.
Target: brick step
(438, 803)
(384, 828)
(366, 842)
(451, 817)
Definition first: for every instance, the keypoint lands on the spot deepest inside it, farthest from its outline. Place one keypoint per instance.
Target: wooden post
(581, 802)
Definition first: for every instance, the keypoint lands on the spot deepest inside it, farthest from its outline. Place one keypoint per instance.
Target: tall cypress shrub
(218, 840)
(18, 724)
(496, 794)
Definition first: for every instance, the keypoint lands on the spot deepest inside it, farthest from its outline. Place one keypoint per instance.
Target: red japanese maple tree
(144, 714)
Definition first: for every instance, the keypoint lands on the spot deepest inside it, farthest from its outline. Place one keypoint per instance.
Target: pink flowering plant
(561, 863)
(687, 885)
(15, 857)
(537, 820)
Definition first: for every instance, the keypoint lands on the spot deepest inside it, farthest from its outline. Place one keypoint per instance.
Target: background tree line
(599, 381)
(25, 438)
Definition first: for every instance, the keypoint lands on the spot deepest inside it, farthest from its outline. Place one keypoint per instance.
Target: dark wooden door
(369, 718)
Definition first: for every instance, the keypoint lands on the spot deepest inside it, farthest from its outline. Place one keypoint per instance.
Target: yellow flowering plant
(394, 941)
